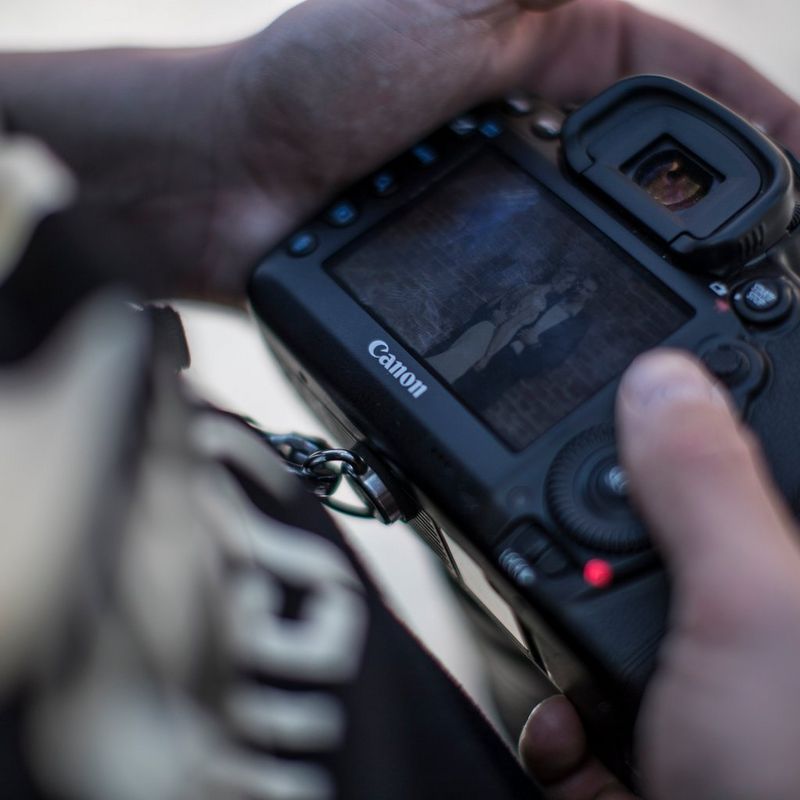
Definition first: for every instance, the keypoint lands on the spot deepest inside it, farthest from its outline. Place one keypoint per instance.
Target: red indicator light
(598, 573)
(722, 306)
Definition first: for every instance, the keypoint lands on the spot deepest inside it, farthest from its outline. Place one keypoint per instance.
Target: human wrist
(97, 109)
(142, 130)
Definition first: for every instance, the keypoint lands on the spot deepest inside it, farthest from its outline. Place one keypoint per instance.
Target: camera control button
(491, 128)
(384, 184)
(610, 482)
(530, 546)
(737, 364)
(547, 125)
(587, 492)
(763, 301)
(302, 244)
(728, 363)
(464, 126)
(342, 214)
(518, 105)
(552, 563)
(762, 296)
(425, 154)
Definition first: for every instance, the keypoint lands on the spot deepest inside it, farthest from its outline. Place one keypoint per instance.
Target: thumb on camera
(697, 474)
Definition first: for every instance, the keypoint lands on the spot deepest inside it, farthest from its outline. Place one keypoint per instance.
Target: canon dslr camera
(462, 318)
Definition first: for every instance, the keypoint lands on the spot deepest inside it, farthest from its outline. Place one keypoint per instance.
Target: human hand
(721, 717)
(216, 154)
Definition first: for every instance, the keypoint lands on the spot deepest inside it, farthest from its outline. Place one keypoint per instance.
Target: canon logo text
(397, 369)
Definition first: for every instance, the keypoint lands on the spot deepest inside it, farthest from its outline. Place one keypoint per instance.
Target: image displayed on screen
(523, 309)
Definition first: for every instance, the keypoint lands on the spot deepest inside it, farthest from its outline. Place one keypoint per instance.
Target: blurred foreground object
(33, 184)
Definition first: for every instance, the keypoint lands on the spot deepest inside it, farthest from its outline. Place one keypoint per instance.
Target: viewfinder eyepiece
(673, 179)
(713, 189)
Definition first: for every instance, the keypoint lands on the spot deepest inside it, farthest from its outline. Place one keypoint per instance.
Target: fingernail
(665, 378)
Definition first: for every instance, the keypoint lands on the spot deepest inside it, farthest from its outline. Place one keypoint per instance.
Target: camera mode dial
(587, 492)
(764, 301)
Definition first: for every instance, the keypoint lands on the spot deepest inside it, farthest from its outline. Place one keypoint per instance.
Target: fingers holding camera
(721, 717)
(335, 87)
(698, 476)
(555, 752)
(587, 45)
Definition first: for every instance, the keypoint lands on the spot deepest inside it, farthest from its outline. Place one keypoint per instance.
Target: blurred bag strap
(33, 184)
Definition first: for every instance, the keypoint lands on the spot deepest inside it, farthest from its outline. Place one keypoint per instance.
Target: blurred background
(230, 363)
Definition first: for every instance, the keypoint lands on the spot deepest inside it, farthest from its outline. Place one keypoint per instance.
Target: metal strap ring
(317, 462)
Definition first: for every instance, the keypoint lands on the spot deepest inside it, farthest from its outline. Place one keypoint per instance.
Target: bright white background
(229, 361)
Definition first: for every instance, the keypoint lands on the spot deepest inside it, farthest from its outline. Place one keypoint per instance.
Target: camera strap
(326, 471)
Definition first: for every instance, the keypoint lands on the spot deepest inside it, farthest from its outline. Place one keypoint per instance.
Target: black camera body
(462, 318)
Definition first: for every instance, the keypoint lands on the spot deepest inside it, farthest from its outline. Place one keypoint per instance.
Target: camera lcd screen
(520, 306)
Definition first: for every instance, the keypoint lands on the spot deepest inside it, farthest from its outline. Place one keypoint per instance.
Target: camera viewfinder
(714, 190)
(673, 179)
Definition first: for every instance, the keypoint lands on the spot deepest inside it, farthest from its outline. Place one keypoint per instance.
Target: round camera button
(342, 214)
(613, 482)
(762, 296)
(518, 105)
(303, 244)
(587, 492)
(728, 363)
(465, 125)
(763, 301)
(384, 184)
(737, 364)
(425, 154)
(491, 129)
(547, 125)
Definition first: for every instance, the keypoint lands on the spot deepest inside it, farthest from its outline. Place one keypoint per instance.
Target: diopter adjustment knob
(587, 492)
